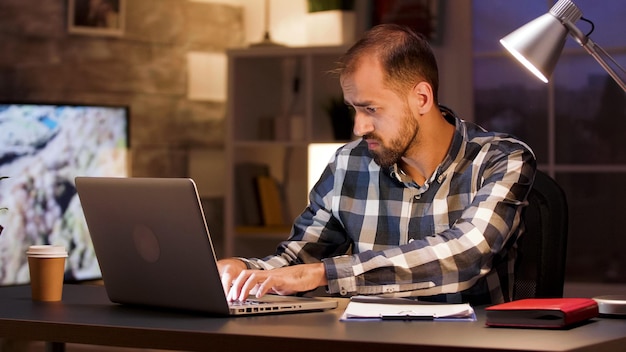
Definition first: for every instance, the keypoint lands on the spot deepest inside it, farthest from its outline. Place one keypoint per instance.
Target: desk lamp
(539, 43)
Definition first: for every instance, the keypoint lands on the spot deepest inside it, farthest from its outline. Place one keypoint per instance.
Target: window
(575, 124)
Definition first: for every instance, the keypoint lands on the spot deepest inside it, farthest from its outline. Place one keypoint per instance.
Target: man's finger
(264, 288)
(237, 285)
(233, 292)
(250, 283)
(227, 281)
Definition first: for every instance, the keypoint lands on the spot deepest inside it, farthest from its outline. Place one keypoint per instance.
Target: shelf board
(270, 143)
(286, 143)
(281, 51)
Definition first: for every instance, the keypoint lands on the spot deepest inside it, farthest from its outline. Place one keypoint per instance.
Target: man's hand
(283, 281)
(229, 270)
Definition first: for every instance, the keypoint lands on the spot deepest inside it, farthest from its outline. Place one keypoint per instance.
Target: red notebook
(552, 313)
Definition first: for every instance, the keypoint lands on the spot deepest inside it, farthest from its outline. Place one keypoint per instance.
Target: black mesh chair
(540, 265)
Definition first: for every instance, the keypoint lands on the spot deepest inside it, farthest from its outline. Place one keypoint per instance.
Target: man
(423, 204)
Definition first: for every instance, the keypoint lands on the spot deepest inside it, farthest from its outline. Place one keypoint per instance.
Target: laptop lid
(154, 248)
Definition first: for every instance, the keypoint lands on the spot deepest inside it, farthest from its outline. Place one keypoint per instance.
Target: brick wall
(145, 69)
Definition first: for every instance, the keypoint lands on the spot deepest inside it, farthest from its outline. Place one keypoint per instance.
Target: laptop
(154, 248)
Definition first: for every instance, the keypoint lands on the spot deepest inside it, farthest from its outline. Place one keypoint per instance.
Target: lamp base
(266, 42)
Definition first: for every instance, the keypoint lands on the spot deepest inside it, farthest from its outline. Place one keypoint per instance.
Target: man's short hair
(405, 56)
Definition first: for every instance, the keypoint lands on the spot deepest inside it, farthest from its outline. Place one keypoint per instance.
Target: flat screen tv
(43, 147)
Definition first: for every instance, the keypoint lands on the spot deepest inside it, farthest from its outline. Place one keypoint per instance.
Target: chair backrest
(540, 265)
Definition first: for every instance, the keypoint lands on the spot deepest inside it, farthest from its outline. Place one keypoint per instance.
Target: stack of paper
(378, 308)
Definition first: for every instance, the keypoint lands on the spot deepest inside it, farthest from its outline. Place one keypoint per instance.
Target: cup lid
(46, 251)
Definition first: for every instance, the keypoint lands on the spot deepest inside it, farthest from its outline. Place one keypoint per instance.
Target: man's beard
(387, 156)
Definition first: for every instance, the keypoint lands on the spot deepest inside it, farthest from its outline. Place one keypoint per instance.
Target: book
(270, 201)
(375, 308)
(553, 313)
(248, 202)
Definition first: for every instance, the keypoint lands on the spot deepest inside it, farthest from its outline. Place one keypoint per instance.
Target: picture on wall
(96, 17)
(424, 16)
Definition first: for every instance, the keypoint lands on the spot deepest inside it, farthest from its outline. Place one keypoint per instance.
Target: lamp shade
(538, 44)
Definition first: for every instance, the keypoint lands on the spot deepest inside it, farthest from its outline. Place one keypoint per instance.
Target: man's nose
(362, 125)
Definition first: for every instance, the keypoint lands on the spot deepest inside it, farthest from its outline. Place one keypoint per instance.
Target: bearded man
(423, 204)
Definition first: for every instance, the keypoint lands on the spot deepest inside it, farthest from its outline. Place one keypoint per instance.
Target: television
(43, 147)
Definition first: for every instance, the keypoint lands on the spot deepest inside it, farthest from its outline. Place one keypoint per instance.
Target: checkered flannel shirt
(378, 232)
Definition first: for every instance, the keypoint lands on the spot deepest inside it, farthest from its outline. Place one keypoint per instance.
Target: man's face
(382, 117)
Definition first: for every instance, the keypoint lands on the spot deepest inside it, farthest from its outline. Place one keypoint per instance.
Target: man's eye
(370, 109)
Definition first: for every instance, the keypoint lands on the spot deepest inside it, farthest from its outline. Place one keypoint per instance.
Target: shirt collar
(457, 142)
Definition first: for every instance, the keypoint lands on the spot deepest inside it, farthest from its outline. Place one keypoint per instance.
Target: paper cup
(46, 265)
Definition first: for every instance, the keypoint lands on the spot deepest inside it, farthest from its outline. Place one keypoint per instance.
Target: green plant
(327, 5)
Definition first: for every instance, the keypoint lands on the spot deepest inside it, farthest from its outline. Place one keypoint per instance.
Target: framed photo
(424, 16)
(96, 17)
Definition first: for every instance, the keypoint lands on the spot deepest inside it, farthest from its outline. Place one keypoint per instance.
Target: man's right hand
(230, 269)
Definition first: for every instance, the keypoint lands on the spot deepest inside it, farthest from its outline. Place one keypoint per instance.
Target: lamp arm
(595, 50)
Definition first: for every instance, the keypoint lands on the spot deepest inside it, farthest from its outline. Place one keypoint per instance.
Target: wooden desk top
(87, 316)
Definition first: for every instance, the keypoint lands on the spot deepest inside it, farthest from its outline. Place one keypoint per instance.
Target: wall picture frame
(96, 17)
(424, 16)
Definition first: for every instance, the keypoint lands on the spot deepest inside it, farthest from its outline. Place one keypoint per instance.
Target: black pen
(407, 317)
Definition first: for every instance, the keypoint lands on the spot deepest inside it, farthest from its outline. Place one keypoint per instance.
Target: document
(364, 308)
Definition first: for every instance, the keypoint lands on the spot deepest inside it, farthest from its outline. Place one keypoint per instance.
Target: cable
(592, 26)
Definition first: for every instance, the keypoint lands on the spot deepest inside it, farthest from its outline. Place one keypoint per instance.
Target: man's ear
(423, 94)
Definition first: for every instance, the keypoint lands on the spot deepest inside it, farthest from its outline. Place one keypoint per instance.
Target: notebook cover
(542, 312)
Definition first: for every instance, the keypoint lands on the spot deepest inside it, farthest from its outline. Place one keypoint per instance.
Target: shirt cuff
(340, 275)
(250, 265)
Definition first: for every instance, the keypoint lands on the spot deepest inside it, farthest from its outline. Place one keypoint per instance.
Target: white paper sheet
(373, 308)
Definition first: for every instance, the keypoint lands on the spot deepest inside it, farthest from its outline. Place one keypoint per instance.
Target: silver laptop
(153, 246)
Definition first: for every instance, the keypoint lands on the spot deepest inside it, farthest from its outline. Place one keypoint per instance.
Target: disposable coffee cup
(46, 265)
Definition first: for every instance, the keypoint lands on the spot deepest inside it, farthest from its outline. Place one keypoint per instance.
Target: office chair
(540, 265)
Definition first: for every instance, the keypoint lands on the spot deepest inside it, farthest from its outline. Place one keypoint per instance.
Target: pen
(407, 317)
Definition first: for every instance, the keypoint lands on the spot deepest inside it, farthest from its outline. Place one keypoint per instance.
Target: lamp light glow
(539, 43)
(529, 65)
(319, 155)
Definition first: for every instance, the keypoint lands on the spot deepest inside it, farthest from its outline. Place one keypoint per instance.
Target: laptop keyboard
(247, 302)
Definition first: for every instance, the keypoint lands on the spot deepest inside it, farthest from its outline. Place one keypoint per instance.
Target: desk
(86, 316)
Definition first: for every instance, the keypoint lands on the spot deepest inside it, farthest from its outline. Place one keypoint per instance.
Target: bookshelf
(277, 106)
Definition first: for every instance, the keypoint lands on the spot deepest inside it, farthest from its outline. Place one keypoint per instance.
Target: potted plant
(330, 22)
(329, 5)
(2, 208)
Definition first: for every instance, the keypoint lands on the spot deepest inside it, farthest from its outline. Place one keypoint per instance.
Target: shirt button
(343, 291)
(418, 197)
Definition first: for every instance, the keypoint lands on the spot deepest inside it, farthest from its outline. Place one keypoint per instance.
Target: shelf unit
(277, 99)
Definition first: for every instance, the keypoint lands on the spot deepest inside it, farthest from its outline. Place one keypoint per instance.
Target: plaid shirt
(453, 238)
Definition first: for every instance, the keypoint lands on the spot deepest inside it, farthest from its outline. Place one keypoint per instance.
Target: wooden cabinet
(278, 99)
